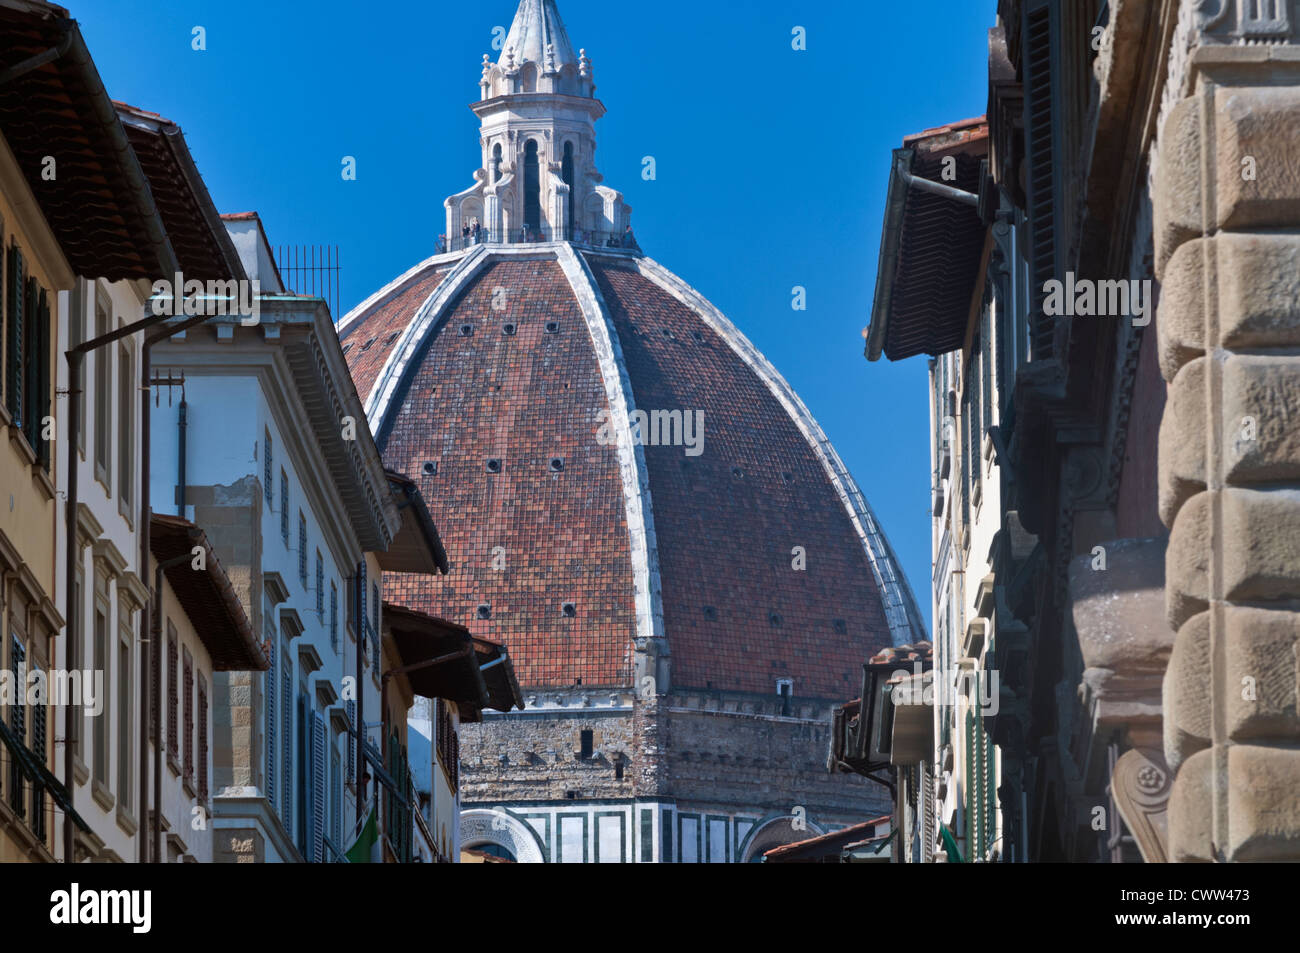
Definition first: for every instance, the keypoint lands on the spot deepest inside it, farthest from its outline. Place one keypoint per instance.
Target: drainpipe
(937, 188)
(180, 453)
(156, 636)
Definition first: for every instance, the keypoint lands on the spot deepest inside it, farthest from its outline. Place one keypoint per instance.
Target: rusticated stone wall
(1227, 201)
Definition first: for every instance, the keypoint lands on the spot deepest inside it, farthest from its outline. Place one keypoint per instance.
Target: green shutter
(14, 336)
(972, 788)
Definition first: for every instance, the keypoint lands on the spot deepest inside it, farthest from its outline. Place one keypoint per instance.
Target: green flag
(950, 845)
(362, 849)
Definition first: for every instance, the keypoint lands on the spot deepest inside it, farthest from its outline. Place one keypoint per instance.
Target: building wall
(111, 584)
(187, 818)
(225, 494)
(707, 767)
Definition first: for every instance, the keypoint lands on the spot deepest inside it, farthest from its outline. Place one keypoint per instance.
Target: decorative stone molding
(1140, 784)
(480, 827)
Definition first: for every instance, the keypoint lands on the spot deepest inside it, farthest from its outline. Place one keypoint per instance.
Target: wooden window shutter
(284, 506)
(173, 697)
(352, 745)
(272, 689)
(267, 471)
(38, 366)
(286, 744)
(972, 789)
(302, 549)
(14, 314)
(18, 725)
(203, 741)
(187, 686)
(317, 787)
(334, 617)
(1042, 156)
(336, 799)
(38, 747)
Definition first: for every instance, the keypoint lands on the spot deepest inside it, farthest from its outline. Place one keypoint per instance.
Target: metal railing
(588, 237)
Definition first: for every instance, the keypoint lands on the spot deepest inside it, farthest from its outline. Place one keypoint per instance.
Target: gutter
(887, 265)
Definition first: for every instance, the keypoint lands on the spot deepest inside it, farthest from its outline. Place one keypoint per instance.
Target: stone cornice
(106, 553)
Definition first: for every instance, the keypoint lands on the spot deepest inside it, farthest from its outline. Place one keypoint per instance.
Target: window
(284, 506)
(585, 740)
(302, 549)
(27, 353)
(126, 426)
(203, 740)
(334, 617)
(124, 713)
(532, 188)
(103, 391)
(785, 691)
(101, 720)
(320, 588)
(187, 686)
(173, 696)
(267, 471)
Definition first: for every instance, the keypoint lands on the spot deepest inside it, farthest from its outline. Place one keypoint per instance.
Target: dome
(625, 486)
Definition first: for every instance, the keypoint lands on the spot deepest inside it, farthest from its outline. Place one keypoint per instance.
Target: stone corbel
(1140, 786)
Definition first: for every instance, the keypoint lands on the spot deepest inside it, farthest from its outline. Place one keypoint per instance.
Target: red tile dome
(496, 379)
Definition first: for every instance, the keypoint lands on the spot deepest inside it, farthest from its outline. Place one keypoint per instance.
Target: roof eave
(890, 243)
(104, 115)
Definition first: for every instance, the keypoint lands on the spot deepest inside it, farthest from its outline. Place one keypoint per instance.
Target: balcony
(586, 238)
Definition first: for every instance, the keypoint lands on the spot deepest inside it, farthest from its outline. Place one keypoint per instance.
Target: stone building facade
(1130, 284)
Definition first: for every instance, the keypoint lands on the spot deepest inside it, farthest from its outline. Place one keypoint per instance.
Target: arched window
(566, 172)
(532, 188)
(496, 162)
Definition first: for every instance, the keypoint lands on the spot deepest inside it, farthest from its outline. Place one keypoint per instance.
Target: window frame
(103, 455)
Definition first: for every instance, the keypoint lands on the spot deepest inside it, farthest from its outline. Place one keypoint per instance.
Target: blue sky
(772, 164)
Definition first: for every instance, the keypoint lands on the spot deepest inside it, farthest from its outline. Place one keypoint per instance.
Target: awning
(207, 597)
(827, 848)
(417, 546)
(482, 677)
(931, 245)
(421, 638)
